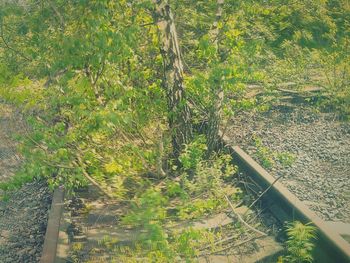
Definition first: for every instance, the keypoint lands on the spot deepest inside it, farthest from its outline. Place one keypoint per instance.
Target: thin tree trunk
(215, 111)
(179, 112)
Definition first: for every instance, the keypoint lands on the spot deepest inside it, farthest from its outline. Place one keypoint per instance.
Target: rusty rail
(330, 246)
(52, 229)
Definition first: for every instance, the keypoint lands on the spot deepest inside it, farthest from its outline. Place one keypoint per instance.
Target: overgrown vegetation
(268, 158)
(108, 99)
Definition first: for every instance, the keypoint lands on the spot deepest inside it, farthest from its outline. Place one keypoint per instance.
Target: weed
(193, 153)
(300, 242)
(269, 158)
(264, 154)
(286, 158)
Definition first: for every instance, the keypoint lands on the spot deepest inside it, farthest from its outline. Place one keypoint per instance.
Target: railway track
(310, 149)
(331, 245)
(285, 206)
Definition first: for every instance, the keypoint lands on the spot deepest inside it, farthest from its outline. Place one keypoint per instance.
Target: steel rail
(52, 230)
(330, 246)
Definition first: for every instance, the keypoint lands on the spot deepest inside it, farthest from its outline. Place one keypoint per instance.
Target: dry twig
(242, 220)
(234, 245)
(264, 192)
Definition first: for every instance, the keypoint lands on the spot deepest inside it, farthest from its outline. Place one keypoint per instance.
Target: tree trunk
(215, 111)
(179, 115)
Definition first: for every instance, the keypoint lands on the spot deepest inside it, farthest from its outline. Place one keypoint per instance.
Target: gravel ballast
(23, 220)
(24, 213)
(320, 146)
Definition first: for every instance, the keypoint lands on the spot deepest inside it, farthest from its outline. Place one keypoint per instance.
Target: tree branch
(8, 46)
(264, 192)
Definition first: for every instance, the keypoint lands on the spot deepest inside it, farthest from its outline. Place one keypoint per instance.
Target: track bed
(319, 145)
(24, 213)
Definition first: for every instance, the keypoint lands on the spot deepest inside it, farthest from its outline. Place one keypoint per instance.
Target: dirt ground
(11, 123)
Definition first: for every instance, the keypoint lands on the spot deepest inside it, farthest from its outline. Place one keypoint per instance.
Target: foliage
(103, 81)
(193, 153)
(184, 247)
(264, 154)
(300, 242)
(88, 75)
(268, 157)
(150, 207)
(286, 158)
(191, 196)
